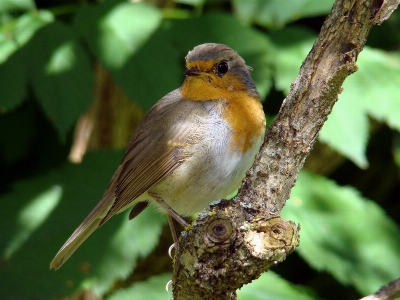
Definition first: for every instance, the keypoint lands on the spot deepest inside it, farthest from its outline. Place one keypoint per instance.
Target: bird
(193, 147)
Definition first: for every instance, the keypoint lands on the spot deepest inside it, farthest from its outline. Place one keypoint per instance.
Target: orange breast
(243, 112)
(246, 117)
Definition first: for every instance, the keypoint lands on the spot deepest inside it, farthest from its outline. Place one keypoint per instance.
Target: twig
(390, 291)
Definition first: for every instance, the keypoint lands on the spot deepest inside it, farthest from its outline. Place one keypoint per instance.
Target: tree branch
(240, 239)
(390, 291)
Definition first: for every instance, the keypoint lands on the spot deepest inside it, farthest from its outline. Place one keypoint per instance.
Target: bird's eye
(222, 68)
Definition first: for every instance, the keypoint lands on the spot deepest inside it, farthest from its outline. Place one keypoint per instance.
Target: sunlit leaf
(375, 88)
(191, 2)
(276, 13)
(343, 233)
(271, 287)
(115, 30)
(32, 216)
(372, 90)
(46, 217)
(132, 240)
(15, 58)
(347, 130)
(153, 288)
(16, 5)
(61, 75)
(292, 46)
(21, 30)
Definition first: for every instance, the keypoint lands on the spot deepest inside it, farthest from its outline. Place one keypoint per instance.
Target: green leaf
(14, 80)
(115, 30)
(32, 216)
(153, 288)
(375, 88)
(133, 239)
(61, 75)
(158, 67)
(7, 46)
(16, 5)
(347, 129)
(155, 70)
(40, 213)
(342, 233)
(270, 286)
(292, 46)
(14, 57)
(29, 23)
(191, 2)
(276, 13)
(21, 30)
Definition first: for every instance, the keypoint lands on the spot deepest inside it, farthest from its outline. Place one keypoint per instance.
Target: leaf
(372, 90)
(271, 286)
(32, 216)
(16, 5)
(132, 240)
(375, 88)
(191, 2)
(268, 286)
(344, 234)
(347, 130)
(115, 30)
(292, 46)
(40, 213)
(347, 127)
(61, 75)
(14, 58)
(158, 67)
(275, 14)
(13, 83)
(21, 30)
(155, 70)
(153, 288)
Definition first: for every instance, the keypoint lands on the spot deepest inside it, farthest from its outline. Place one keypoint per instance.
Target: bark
(238, 240)
(390, 291)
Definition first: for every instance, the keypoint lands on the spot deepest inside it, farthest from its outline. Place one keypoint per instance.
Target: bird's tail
(90, 224)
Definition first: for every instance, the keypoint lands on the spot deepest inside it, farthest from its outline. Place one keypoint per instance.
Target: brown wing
(152, 153)
(143, 167)
(148, 159)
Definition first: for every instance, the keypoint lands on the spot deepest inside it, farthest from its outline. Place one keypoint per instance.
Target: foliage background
(67, 64)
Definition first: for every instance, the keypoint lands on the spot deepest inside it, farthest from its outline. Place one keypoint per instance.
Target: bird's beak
(193, 72)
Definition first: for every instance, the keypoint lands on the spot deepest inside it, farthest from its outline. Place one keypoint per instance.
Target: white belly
(213, 172)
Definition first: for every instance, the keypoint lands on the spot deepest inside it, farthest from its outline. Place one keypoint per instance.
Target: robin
(193, 147)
